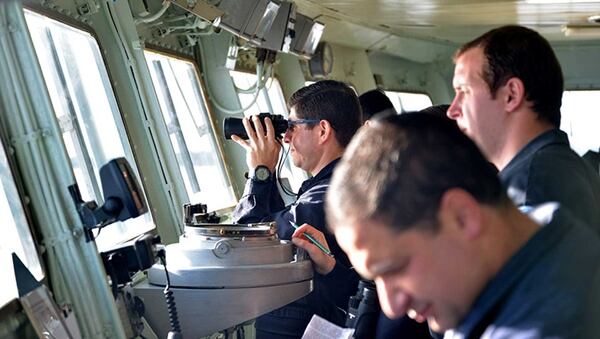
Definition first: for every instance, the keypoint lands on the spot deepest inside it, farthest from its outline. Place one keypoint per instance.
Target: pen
(314, 241)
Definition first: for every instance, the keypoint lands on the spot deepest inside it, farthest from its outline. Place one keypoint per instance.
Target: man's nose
(393, 300)
(287, 137)
(454, 110)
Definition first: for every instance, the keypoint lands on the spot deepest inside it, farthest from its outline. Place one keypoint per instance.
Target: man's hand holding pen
(323, 262)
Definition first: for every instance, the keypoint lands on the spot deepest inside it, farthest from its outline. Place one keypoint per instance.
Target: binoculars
(234, 126)
(363, 310)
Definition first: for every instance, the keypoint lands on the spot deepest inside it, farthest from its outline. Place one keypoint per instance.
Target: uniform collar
(551, 137)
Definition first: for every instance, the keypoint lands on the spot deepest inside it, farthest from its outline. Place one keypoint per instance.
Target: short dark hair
(397, 170)
(438, 110)
(516, 51)
(373, 102)
(333, 101)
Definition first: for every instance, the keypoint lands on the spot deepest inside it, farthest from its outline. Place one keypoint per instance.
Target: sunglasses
(295, 122)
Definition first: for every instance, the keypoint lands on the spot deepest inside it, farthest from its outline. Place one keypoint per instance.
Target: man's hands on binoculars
(261, 148)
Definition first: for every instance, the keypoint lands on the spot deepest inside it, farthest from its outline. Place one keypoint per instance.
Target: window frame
(212, 119)
(296, 179)
(264, 91)
(108, 85)
(402, 91)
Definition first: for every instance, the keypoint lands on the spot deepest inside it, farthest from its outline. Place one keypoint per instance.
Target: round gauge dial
(321, 64)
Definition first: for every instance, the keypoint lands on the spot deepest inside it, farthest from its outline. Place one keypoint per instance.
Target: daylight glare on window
(581, 119)
(86, 110)
(408, 102)
(182, 104)
(270, 98)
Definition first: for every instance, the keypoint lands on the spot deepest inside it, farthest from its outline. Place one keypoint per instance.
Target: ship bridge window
(408, 102)
(87, 112)
(183, 107)
(581, 120)
(270, 99)
(16, 235)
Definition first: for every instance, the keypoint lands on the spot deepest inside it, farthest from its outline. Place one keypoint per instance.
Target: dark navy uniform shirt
(550, 288)
(547, 169)
(262, 202)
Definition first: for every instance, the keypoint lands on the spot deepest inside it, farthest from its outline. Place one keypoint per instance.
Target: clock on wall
(321, 64)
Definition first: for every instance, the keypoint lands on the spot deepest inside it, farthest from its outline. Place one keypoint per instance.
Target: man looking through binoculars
(323, 118)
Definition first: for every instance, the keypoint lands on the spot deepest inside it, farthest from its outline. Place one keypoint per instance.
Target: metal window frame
(201, 92)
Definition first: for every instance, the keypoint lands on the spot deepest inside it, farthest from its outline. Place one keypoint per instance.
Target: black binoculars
(363, 310)
(234, 126)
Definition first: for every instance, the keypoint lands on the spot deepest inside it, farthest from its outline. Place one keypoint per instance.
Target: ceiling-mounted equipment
(292, 32)
(307, 36)
(321, 64)
(248, 19)
(200, 8)
(270, 24)
(279, 37)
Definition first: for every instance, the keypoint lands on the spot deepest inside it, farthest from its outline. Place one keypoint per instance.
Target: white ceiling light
(594, 19)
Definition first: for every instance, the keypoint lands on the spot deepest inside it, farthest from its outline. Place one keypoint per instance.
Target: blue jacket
(547, 169)
(550, 288)
(262, 202)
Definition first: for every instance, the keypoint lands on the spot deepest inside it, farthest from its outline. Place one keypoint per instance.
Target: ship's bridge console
(221, 275)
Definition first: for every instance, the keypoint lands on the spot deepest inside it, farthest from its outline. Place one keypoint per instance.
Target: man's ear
(462, 212)
(325, 131)
(514, 94)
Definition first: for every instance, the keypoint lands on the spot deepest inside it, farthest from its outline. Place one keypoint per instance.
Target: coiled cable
(175, 332)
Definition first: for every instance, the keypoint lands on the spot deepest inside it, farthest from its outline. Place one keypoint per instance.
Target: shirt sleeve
(262, 203)
(259, 201)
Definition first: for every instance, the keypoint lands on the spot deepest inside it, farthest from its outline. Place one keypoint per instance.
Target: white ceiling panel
(383, 24)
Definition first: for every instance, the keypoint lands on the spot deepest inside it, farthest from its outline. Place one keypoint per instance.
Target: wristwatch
(261, 173)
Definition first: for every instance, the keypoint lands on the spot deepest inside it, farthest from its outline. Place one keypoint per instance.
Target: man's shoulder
(315, 185)
(541, 150)
(556, 149)
(553, 296)
(559, 166)
(315, 194)
(554, 165)
(558, 162)
(555, 173)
